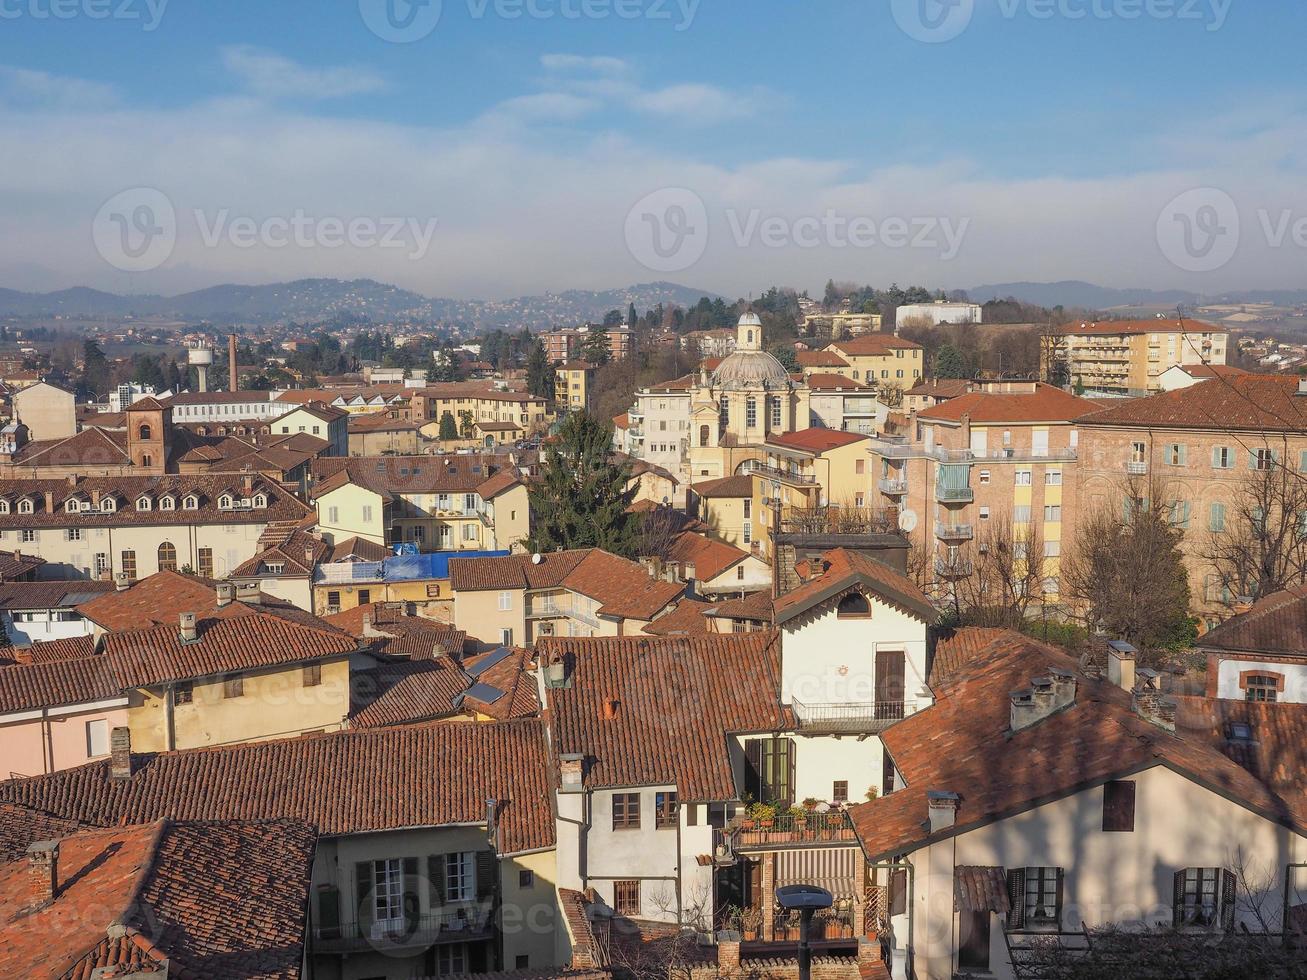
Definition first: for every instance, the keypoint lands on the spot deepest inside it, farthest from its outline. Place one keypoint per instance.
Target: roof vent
(611, 708)
(188, 629)
(942, 808)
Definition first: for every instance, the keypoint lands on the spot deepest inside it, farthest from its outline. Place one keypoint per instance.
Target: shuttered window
(665, 810)
(1035, 897)
(1204, 897)
(1119, 807)
(626, 811)
(769, 770)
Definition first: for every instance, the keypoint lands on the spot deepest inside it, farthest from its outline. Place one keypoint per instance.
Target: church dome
(751, 369)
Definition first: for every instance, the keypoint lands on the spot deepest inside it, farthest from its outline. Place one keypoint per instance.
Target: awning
(838, 870)
(978, 889)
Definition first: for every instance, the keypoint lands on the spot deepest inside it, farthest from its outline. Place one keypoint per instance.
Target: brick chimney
(1121, 658)
(1151, 704)
(43, 869)
(571, 771)
(942, 809)
(1045, 696)
(187, 627)
(120, 753)
(611, 708)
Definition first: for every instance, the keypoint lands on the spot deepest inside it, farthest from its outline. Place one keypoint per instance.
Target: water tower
(200, 357)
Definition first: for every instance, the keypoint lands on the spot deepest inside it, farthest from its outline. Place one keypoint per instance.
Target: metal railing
(791, 830)
(860, 717)
(954, 532)
(958, 495)
(775, 473)
(450, 924)
(828, 924)
(954, 567)
(891, 447)
(894, 488)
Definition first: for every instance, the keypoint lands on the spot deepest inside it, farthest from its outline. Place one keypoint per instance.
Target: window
(183, 693)
(1024, 478)
(665, 810)
(984, 478)
(167, 503)
(167, 557)
(1200, 893)
(526, 879)
(769, 769)
(522, 961)
(1021, 514)
(739, 574)
(460, 877)
(101, 564)
(143, 503)
(191, 502)
(1176, 455)
(626, 897)
(1179, 512)
(1216, 517)
(128, 564)
(1262, 459)
(333, 601)
(748, 533)
(506, 637)
(365, 597)
(144, 433)
(26, 506)
(1053, 512)
(1053, 478)
(984, 513)
(97, 738)
(1036, 897)
(626, 811)
(751, 413)
(840, 791)
(505, 601)
(233, 687)
(1264, 688)
(855, 605)
(367, 513)
(1119, 807)
(776, 422)
(388, 894)
(27, 536)
(333, 515)
(312, 675)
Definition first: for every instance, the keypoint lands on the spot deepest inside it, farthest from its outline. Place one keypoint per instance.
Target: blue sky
(1047, 145)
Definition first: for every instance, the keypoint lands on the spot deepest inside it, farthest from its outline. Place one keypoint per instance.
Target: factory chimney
(233, 381)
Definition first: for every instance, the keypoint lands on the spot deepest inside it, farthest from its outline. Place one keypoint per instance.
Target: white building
(933, 314)
(1261, 654)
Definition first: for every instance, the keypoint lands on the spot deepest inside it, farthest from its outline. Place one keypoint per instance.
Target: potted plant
(800, 817)
(811, 803)
(872, 793)
(763, 814)
(750, 923)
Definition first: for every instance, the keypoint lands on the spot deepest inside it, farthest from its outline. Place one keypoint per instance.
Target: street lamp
(807, 900)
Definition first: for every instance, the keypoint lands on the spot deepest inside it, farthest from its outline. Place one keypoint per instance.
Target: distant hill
(318, 299)
(1084, 295)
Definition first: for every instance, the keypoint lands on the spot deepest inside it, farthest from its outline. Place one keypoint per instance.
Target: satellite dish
(537, 559)
(908, 521)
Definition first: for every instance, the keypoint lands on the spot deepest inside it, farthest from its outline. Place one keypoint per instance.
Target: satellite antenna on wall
(908, 521)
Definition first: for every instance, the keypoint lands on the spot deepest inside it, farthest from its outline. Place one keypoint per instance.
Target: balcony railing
(954, 567)
(955, 532)
(548, 608)
(1136, 468)
(867, 717)
(954, 495)
(449, 925)
(894, 488)
(775, 473)
(890, 447)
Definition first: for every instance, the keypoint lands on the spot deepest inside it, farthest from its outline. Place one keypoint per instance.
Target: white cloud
(697, 104)
(270, 75)
(542, 107)
(597, 64)
(40, 89)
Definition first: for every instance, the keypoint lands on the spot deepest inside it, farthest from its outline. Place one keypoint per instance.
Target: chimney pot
(1046, 695)
(226, 593)
(571, 768)
(188, 629)
(43, 868)
(122, 582)
(1121, 658)
(942, 809)
(611, 706)
(120, 753)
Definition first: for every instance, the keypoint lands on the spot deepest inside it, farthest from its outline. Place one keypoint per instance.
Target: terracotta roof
(676, 702)
(344, 783)
(69, 648)
(411, 637)
(1045, 404)
(1121, 328)
(755, 607)
(511, 676)
(820, 359)
(154, 601)
(297, 551)
(846, 570)
(710, 557)
(513, 571)
(872, 345)
(25, 687)
(837, 382)
(382, 422)
(403, 693)
(390, 475)
(622, 421)
(1211, 370)
(816, 440)
(963, 744)
(50, 595)
(956, 651)
(1249, 402)
(90, 447)
(318, 409)
(21, 827)
(941, 388)
(1275, 752)
(209, 901)
(978, 889)
(1275, 624)
(237, 637)
(14, 564)
(358, 549)
(685, 620)
(728, 486)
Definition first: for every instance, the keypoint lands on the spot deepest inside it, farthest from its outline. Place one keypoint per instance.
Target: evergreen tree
(631, 316)
(95, 370)
(581, 497)
(951, 363)
(448, 428)
(596, 348)
(539, 373)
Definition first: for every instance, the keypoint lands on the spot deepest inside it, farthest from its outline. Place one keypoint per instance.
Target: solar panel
(491, 660)
(484, 693)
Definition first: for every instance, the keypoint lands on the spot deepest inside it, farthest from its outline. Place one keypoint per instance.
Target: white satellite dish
(908, 521)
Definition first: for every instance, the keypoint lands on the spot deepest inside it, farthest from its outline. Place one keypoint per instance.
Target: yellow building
(470, 402)
(879, 359)
(726, 507)
(574, 385)
(1130, 356)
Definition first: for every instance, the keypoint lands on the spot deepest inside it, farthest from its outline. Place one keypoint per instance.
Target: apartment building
(470, 402)
(1033, 800)
(574, 385)
(937, 313)
(355, 576)
(434, 503)
(1130, 356)
(997, 462)
(835, 402)
(879, 359)
(433, 849)
(1200, 450)
(316, 419)
(658, 425)
(226, 406)
(726, 508)
(842, 324)
(103, 527)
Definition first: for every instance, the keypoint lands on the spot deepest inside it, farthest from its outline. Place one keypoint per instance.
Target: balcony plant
(811, 803)
(750, 923)
(764, 814)
(799, 816)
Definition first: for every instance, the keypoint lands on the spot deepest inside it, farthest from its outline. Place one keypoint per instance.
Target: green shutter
(485, 871)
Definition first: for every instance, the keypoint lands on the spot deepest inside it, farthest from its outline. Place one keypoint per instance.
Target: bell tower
(748, 333)
(149, 422)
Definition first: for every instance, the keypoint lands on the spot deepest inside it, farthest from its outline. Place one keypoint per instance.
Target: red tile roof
(755, 607)
(963, 744)
(1249, 402)
(397, 475)
(154, 601)
(847, 570)
(957, 651)
(214, 901)
(404, 693)
(711, 558)
(872, 345)
(25, 687)
(284, 544)
(685, 620)
(836, 382)
(1125, 328)
(21, 827)
(728, 486)
(1275, 624)
(15, 564)
(676, 702)
(1045, 404)
(345, 783)
(50, 595)
(1277, 751)
(413, 637)
(820, 359)
(816, 440)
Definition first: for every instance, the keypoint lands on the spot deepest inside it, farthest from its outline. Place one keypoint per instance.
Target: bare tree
(659, 529)
(1262, 546)
(1008, 576)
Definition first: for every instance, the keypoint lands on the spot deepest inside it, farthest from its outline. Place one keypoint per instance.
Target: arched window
(191, 502)
(25, 506)
(144, 433)
(147, 459)
(167, 557)
(260, 500)
(225, 502)
(108, 505)
(72, 505)
(749, 334)
(143, 503)
(4, 507)
(704, 438)
(854, 606)
(167, 503)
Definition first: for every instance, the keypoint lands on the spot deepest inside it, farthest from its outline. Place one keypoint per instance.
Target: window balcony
(954, 532)
(890, 447)
(451, 924)
(1136, 468)
(951, 568)
(754, 467)
(955, 495)
(810, 830)
(894, 488)
(858, 718)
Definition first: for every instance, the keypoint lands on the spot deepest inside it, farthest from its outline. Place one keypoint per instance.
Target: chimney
(689, 572)
(43, 869)
(247, 484)
(556, 674)
(249, 592)
(226, 593)
(188, 629)
(120, 753)
(942, 807)
(233, 373)
(611, 707)
(122, 581)
(49, 501)
(1046, 696)
(571, 771)
(1155, 709)
(1121, 664)
(308, 555)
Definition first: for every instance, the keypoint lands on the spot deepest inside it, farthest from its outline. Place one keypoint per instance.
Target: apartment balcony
(955, 495)
(890, 447)
(894, 488)
(1009, 455)
(780, 475)
(786, 831)
(855, 718)
(953, 568)
(548, 608)
(397, 936)
(954, 532)
(1136, 467)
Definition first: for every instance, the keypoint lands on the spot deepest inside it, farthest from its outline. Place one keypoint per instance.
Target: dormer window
(144, 503)
(191, 502)
(854, 606)
(71, 506)
(260, 500)
(108, 505)
(4, 506)
(167, 503)
(225, 502)
(25, 506)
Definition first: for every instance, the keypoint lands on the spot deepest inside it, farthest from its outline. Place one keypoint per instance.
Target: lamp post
(807, 900)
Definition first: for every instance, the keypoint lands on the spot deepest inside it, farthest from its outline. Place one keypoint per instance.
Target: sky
(495, 148)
